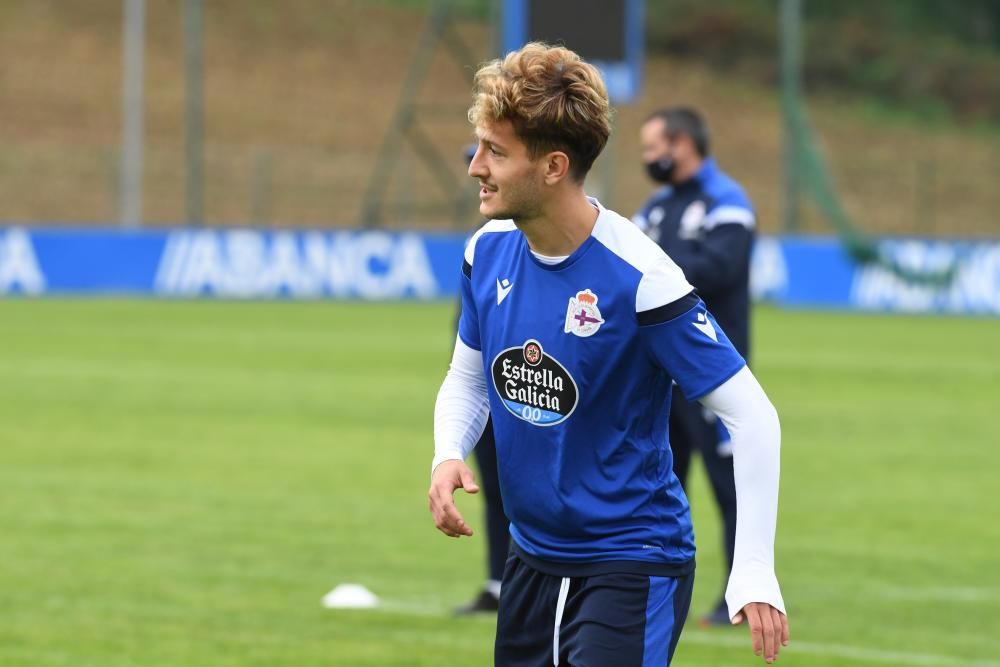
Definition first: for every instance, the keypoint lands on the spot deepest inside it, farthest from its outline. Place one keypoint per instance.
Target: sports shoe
(484, 603)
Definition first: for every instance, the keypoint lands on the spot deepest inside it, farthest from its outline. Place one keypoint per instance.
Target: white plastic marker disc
(350, 596)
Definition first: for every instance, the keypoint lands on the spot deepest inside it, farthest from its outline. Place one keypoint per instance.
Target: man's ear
(556, 167)
(686, 144)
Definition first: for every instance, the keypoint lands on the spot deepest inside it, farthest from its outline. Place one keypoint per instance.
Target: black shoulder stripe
(669, 311)
(467, 269)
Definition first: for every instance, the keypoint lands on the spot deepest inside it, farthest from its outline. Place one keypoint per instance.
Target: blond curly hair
(553, 98)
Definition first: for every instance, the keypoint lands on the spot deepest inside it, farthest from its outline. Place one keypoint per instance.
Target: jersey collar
(602, 215)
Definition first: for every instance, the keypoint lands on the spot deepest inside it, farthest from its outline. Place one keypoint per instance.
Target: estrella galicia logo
(534, 386)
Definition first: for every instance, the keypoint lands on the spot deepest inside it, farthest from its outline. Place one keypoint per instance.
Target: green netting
(813, 174)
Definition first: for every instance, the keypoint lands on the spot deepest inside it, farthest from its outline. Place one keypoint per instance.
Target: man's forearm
(462, 406)
(753, 424)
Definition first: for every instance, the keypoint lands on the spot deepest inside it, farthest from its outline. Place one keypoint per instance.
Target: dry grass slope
(300, 94)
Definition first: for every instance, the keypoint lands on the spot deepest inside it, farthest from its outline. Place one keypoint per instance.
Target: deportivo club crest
(692, 220)
(583, 319)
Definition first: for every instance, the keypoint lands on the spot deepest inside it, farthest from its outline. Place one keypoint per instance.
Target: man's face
(653, 141)
(510, 181)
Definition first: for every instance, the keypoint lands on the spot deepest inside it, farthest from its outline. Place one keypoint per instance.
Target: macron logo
(706, 327)
(503, 289)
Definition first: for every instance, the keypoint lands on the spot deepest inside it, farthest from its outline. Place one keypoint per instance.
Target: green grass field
(180, 483)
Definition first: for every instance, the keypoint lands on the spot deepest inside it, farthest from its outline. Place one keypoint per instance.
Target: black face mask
(661, 170)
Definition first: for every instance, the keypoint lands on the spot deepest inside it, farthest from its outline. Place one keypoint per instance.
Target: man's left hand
(768, 629)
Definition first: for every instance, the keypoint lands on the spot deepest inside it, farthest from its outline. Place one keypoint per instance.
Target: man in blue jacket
(703, 220)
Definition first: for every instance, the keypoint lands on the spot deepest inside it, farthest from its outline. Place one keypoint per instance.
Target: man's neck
(562, 226)
(686, 173)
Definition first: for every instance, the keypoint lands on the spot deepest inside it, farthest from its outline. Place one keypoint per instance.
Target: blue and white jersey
(579, 359)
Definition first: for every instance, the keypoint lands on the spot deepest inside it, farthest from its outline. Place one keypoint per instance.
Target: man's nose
(477, 167)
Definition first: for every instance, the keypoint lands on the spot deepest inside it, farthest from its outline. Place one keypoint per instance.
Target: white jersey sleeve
(753, 424)
(462, 406)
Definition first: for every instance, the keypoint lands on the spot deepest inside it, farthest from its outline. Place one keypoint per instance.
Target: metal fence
(300, 95)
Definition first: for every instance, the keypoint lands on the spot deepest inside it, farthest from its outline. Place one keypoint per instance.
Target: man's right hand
(446, 478)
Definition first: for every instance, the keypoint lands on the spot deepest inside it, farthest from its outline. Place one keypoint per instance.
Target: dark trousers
(691, 432)
(497, 526)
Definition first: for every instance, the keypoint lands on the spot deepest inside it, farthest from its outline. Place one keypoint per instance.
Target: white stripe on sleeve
(730, 215)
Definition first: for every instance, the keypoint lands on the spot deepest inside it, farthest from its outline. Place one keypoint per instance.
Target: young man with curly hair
(574, 328)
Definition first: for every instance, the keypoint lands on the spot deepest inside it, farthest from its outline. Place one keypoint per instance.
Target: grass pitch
(180, 483)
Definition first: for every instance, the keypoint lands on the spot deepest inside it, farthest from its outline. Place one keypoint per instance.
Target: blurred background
(246, 219)
(296, 99)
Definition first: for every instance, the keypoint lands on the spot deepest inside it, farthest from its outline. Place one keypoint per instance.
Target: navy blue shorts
(612, 620)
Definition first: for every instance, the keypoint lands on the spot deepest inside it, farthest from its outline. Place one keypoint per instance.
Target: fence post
(790, 32)
(130, 173)
(194, 111)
